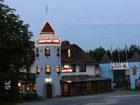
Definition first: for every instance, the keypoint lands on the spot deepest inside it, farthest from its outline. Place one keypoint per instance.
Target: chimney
(65, 43)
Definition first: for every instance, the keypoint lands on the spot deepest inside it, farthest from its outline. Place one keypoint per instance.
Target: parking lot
(117, 97)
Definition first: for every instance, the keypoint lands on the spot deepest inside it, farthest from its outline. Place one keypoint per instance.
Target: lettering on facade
(48, 40)
(119, 66)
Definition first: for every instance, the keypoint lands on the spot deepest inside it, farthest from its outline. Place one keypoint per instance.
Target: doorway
(48, 91)
(119, 78)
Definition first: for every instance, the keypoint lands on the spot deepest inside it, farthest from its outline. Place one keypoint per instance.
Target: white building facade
(48, 63)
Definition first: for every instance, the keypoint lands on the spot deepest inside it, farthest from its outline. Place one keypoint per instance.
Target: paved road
(119, 97)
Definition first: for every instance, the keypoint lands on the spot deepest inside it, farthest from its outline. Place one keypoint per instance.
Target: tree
(15, 46)
(97, 53)
(117, 55)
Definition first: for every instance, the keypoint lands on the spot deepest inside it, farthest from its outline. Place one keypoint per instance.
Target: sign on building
(119, 66)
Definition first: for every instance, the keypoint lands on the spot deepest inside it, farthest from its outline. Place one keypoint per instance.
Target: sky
(87, 23)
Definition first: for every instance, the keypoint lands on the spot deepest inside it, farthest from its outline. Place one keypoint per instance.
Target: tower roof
(47, 29)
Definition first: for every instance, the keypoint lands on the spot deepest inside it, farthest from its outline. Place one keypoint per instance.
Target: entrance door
(48, 91)
(119, 78)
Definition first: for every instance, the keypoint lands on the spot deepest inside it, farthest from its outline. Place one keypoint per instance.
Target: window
(37, 69)
(73, 66)
(58, 51)
(96, 65)
(34, 87)
(66, 68)
(48, 69)
(69, 53)
(20, 87)
(27, 87)
(82, 68)
(47, 51)
(89, 86)
(37, 52)
(58, 69)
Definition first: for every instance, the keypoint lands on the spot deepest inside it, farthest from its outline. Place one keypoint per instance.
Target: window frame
(58, 51)
(27, 85)
(73, 66)
(82, 68)
(37, 52)
(34, 87)
(47, 51)
(48, 67)
(58, 67)
(20, 88)
(69, 53)
(38, 69)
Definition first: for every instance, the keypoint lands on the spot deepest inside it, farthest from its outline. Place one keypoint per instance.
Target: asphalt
(117, 97)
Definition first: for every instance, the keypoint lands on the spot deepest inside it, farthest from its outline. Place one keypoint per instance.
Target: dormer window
(48, 69)
(58, 69)
(69, 53)
(37, 52)
(47, 51)
(37, 69)
(58, 51)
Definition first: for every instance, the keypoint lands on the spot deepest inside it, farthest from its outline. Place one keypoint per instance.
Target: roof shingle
(78, 56)
(47, 29)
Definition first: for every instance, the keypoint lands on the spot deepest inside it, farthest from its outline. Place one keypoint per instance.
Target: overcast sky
(88, 23)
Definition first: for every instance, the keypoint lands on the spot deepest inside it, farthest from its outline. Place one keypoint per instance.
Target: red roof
(47, 29)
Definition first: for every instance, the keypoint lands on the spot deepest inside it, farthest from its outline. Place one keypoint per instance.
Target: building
(75, 61)
(26, 83)
(134, 66)
(80, 72)
(123, 74)
(48, 63)
(64, 69)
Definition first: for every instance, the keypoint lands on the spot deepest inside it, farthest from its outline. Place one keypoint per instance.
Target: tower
(48, 63)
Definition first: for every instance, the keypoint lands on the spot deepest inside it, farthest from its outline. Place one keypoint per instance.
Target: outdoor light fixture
(69, 81)
(19, 84)
(48, 80)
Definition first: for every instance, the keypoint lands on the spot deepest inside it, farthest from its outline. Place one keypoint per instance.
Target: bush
(30, 96)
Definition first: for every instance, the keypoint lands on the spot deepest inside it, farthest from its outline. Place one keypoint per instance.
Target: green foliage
(30, 96)
(117, 54)
(97, 53)
(14, 41)
(16, 49)
(7, 103)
